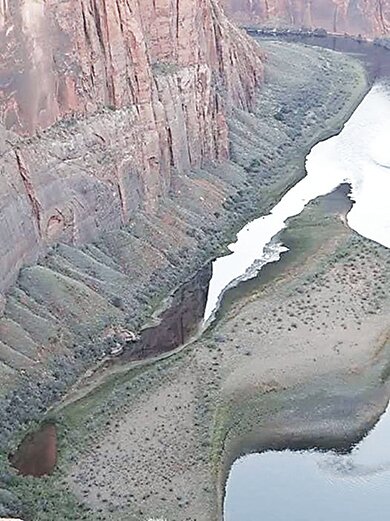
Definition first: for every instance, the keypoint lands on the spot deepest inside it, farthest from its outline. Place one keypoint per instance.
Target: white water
(359, 155)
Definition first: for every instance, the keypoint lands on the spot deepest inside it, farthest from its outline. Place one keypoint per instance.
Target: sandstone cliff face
(367, 17)
(100, 102)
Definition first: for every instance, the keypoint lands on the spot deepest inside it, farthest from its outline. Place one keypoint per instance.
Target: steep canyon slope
(100, 101)
(129, 158)
(114, 166)
(61, 311)
(366, 17)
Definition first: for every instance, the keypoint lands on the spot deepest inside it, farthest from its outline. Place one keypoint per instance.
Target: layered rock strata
(366, 17)
(57, 316)
(100, 102)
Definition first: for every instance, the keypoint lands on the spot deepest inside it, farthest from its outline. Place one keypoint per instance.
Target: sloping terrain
(101, 102)
(57, 316)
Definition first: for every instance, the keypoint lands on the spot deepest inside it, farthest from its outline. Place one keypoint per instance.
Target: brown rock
(141, 90)
(366, 17)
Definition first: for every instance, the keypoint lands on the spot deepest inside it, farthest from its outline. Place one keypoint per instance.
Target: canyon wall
(101, 101)
(366, 17)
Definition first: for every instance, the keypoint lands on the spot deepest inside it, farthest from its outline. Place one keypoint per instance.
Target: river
(359, 155)
(334, 485)
(310, 485)
(307, 485)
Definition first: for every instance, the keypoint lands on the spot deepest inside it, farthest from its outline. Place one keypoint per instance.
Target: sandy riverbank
(74, 295)
(149, 443)
(313, 345)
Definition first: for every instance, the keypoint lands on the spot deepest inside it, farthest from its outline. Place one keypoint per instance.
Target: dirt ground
(309, 334)
(321, 316)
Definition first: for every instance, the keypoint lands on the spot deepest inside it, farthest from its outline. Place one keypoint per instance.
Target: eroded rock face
(100, 101)
(365, 17)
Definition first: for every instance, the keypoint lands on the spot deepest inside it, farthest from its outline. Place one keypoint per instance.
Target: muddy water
(37, 454)
(178, 322)
(196, 300)
(173, 327)
(375, 58)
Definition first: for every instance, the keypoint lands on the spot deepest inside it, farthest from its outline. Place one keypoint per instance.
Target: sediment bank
(268, 149)
(279, 368)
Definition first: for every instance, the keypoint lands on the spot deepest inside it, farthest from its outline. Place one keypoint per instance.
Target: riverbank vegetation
(115, 445)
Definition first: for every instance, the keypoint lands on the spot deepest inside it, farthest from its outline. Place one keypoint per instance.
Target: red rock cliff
(100, 101)
(366, 17)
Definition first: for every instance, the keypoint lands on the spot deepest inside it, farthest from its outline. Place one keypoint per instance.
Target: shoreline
(279, 31)
(292, 413)
(277, 190)
(305, 431)
(164, 305)
(209, 383)
(260, 203)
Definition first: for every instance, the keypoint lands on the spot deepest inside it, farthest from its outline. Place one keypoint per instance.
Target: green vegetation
(77, 292)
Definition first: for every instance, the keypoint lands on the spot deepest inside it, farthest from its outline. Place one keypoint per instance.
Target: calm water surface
(359, 155)
(310, 485)
(314, 486)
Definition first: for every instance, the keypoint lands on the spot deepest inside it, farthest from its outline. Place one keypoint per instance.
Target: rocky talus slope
(366, 17)
(101, 101)
(59, 313)
(113, 130)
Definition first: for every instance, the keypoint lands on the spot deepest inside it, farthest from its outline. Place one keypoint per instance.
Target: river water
(359, 155)
(308, 485)
(334, 485)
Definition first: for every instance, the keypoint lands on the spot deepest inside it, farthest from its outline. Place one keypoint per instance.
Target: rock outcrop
(366, 17)
(100, 102)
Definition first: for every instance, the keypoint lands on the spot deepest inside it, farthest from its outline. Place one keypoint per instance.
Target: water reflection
(359, 155)
(312, 485)
(308, 485)
(293, 486)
